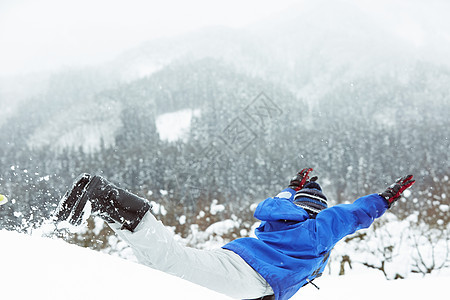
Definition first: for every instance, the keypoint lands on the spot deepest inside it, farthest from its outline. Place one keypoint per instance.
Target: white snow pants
(220, 270)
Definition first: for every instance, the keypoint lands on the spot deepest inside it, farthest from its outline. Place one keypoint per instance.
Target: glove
(300, 179)
(395, 190)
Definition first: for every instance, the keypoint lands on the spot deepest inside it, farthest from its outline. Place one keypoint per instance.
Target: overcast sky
(45, 34)
(37, 35)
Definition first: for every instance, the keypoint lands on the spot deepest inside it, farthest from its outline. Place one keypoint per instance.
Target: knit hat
(311, 198)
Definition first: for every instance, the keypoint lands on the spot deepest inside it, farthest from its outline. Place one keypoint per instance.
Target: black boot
(108, 201)
(70, 207)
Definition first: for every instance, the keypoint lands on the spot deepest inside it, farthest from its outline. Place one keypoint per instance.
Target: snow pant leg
(220, 270)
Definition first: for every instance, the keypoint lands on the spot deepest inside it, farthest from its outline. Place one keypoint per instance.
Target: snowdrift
(33, 267)
(40, 268)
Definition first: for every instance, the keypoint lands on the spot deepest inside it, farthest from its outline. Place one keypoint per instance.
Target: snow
(216, 208)
(158, 208)
(371, 285)
(222, 227)
(53, 269)
(34, 267)
(94, 123)
(444, 207)
(406, 193)
(175, 125)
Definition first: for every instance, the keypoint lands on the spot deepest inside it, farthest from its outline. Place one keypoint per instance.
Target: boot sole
(77, 212)
(71, 206)
(90, 189)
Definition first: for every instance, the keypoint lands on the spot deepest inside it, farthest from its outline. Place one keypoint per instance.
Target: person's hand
(300, 179)
(395, 190)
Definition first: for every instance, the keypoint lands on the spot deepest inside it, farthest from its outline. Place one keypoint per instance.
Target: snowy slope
(40, 268)
(367, 284)
(175, 125)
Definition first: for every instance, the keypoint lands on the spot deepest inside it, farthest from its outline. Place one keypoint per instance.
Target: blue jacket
(292, 249)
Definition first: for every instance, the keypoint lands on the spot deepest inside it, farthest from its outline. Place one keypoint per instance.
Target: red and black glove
(300, 179)
(395, 190)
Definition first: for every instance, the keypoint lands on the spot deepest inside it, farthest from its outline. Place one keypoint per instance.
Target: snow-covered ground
(33, 267)
(371, 285)
(175, 125)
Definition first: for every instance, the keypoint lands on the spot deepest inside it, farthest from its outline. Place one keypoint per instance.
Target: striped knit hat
(311, 198)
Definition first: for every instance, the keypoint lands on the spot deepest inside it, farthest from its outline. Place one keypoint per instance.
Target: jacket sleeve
(334, 223)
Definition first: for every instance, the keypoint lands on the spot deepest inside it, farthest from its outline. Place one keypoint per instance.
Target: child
(291, 248)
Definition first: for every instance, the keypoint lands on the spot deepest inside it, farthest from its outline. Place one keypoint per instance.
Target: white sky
(37, 35)
(40, 35)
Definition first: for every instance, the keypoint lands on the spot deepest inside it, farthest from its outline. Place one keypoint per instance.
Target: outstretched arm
(338, 221)
(334, 223)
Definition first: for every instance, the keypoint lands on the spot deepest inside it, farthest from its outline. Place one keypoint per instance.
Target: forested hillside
(267, 108)
(354, 148)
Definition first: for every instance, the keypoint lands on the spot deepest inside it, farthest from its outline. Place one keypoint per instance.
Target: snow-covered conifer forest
(208, 123)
